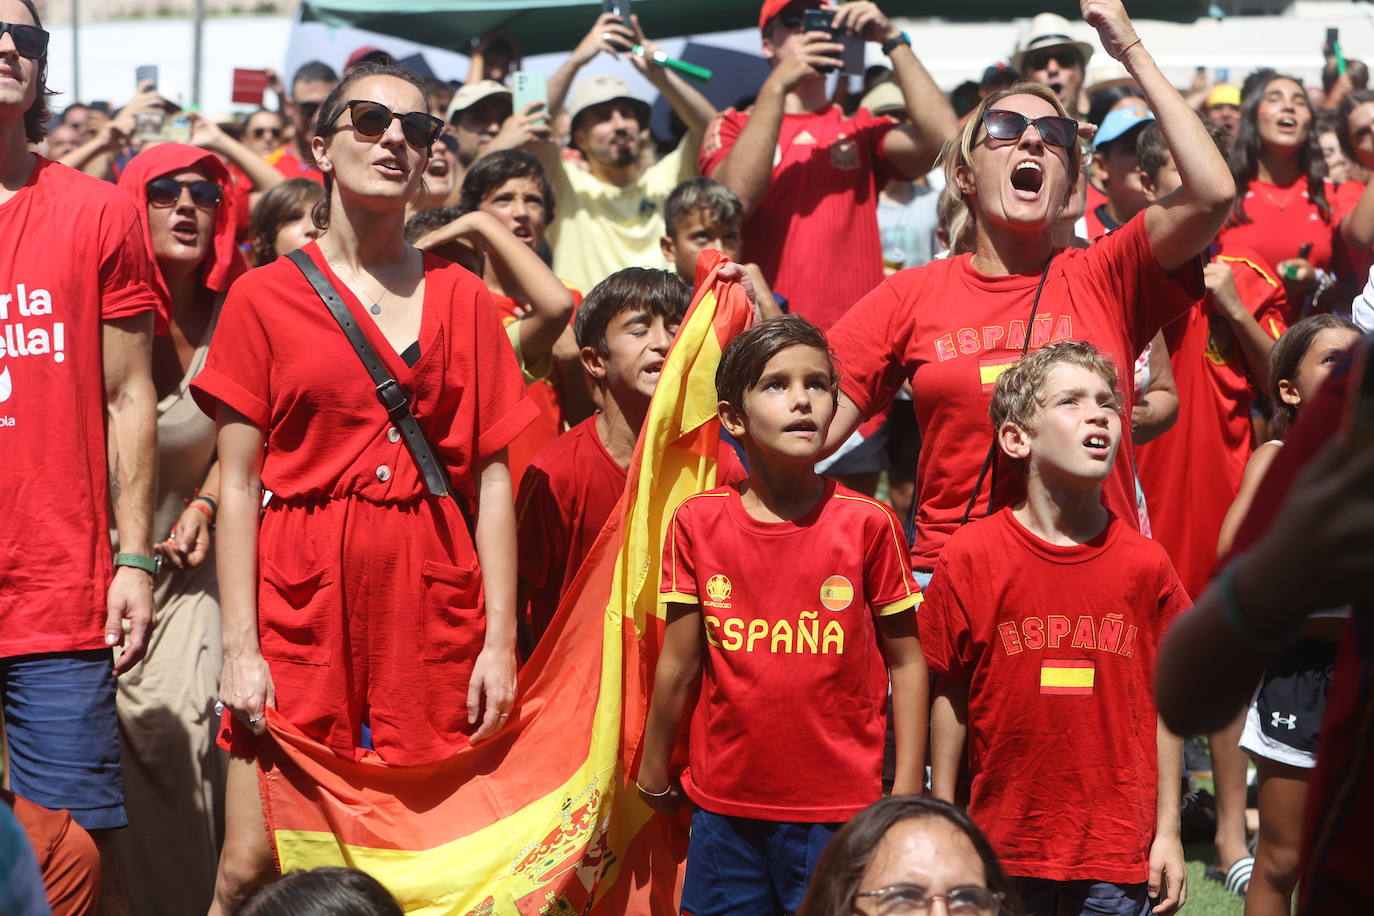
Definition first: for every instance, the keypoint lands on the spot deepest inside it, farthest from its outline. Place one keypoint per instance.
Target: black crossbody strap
(991, 460)
(392, 396)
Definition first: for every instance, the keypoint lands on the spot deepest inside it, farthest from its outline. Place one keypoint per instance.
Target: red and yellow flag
(542, 818)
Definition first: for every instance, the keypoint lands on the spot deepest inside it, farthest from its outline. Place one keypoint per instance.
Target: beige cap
(594, 90)
(883, 98)
(1048, 30)
(472, 93)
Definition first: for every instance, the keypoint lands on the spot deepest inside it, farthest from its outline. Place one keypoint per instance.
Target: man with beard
(611, 212)
(311, 86)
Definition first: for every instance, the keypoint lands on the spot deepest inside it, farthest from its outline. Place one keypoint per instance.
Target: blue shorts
(62, 734)
(746, 867)
(1043, 897)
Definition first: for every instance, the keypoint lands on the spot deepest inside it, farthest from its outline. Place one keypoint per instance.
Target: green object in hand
(700, 74)
(1290, 271)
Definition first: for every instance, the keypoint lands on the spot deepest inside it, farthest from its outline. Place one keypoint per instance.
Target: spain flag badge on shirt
(1067, 677)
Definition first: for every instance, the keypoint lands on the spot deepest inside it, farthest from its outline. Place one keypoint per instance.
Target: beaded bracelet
(1235, 616)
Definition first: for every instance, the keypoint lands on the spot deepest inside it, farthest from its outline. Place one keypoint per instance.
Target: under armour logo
(1290, 720)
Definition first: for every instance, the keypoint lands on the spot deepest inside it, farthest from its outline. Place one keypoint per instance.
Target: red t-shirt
(789, 725)
(1284, 218)
(1091, 216)
(1058, 647)
(815, 232)
(286, 163)
(952, 330)
(567, 494)
(1192, 473)
(279, 358)
(1352, 263)
(74, 256)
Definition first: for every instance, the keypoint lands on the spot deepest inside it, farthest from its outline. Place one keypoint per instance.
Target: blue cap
(1119, 122)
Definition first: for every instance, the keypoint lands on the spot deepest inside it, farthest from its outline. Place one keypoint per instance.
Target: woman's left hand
(491, 692)
(189, 543)
(1113, 25)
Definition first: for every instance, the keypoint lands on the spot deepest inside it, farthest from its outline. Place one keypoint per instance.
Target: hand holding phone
(823, 20)
(528, 87)
(145, 77)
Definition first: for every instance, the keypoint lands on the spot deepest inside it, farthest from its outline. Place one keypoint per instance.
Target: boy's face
(788, 410)
(1163, 184)
(698, 231)
(636, 343)
(519, 205)
(1077, 428)
(1118, 171)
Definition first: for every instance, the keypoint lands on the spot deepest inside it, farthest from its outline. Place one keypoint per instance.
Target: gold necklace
(1294, 191)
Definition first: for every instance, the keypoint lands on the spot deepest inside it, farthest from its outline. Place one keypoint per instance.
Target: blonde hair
(958, 153)
(1017, 397)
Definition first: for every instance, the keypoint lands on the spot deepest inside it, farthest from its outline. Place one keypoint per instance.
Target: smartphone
(527, 87)
(1223, 74)
(1333, 38)
(814, 20)
(147, 73)
(176, 129)
(619, 8)
(249, 87)
(147, 126)
(1359, 417)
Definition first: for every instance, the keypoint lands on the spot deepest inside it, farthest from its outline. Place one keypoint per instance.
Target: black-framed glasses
(1066, 58)
(450, 142)
(165, 192)
(912, 900)
(1010, 125)
(29, 40)
(260, 132)
(371, 119)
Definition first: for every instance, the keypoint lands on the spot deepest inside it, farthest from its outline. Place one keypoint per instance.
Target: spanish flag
(543, 818)
(1067, 677)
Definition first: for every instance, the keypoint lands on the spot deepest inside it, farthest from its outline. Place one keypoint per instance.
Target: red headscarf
(223, 262)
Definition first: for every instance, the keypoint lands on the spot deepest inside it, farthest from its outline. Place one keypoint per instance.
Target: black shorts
(1285, 715)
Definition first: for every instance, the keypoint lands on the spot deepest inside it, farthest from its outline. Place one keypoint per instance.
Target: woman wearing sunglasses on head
(174, 773)
(361, 609)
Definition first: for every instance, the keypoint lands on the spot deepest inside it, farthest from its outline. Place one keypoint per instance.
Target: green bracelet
(1235, 616)
(150, 565)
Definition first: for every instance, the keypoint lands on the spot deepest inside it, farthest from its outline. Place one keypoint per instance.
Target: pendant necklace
(376, 306)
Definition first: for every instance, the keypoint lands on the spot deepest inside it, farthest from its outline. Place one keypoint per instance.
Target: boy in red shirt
(702, 213)
(791, 598)
(1041, 623)
(624, 329)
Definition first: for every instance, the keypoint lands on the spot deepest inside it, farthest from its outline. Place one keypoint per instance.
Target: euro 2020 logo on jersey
(718, 589)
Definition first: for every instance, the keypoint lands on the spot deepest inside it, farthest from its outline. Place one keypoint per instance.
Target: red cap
(771, 8)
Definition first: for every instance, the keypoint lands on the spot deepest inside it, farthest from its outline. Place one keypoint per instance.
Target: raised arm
(912, 149)
(607, 34)
(748, 166)
(207, 135)
(1184, 223)
(695, 110)
(131, 403)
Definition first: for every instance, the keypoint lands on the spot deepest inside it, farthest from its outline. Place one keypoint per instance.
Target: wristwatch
(901, 38)
(150, 565)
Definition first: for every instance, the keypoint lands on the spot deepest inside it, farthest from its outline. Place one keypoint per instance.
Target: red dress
(370, 605)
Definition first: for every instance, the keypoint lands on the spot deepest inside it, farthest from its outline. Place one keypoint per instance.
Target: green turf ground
(1207, 898)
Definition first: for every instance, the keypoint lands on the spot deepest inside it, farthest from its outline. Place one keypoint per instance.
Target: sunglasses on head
(1039, 60)
(371, 119)
(29, 40)
(1010, 125)
(165, 192)
(260, 132)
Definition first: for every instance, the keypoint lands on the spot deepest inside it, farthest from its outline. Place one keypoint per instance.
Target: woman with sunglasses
(899, 855)
(951, 326)
(264, 132)
(363, 610)
(174, 773)
(1285, 210)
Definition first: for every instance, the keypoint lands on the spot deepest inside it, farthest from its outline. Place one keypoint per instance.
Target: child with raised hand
(1284, 719)
(790, 597)
(1041, 623)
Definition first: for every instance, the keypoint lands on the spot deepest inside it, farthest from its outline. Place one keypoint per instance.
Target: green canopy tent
(542, 26)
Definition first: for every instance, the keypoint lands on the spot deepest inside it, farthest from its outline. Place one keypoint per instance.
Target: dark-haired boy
(788, 722)
(1116, 170)
(1041, 623)
(702, 213)
(624, 328)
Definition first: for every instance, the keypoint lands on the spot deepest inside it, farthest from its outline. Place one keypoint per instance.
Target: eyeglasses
(450, 142)
(371, 119)
(912, 900)
(1066, 58)
(1010, 125)
(165, 192)
(29, 40)
(260, 132)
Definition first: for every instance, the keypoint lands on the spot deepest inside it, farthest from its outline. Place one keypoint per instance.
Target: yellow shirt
(601, 228)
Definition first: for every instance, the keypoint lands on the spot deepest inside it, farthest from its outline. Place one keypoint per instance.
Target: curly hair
(1018, 395)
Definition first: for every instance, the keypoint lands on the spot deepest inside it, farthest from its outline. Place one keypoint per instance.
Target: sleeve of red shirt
(943, 624)
(720, 138)
(238, 369)
(126, 272)
(875, 129)
(887, 565)
(1346, 196)
(679, 580)
(1124, 264)
(868, 343)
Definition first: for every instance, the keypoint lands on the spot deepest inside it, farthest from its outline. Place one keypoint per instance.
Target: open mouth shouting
(185, 231)
(1027, 178)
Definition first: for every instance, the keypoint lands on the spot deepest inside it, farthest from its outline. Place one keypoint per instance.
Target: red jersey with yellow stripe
(1191, 474)
(1057, 645)
(790, 722)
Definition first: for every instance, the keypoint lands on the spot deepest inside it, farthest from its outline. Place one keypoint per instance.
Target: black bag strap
(991, 460)
(394, 398)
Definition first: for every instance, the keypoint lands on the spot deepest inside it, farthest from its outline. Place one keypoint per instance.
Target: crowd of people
(322, 410)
